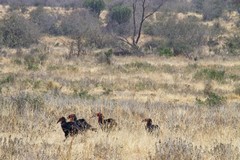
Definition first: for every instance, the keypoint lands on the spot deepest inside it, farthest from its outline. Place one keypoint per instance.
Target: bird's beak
(93, 116)
(144, 120)
(59, 121)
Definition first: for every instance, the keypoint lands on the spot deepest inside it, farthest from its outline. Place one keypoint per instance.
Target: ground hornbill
(149, 126)
(69, 128)
(81, 123)
(105, 124)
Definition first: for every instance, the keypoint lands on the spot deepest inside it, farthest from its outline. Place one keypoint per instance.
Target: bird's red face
(71, 117)
(99, 115)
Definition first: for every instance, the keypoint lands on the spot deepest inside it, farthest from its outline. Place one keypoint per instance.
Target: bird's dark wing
(156, 126)
(153, 128)
(110, 120)
(69, 128)
(83, 124)
(110, 123)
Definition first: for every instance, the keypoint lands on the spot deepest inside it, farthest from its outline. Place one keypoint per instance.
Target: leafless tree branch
(138, 30)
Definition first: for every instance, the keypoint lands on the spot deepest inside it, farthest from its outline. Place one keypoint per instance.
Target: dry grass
(172, 91)
(189, 132)
(130, 89)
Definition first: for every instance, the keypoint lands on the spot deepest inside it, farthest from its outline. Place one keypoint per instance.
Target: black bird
(81, 123)
(105, 124)
(149, 126)
(69, 128)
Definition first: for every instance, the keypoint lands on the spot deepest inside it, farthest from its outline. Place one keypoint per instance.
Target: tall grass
(187, 132)
(129, 89)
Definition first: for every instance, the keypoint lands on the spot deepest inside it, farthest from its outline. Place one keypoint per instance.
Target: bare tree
(144, 9)
(77, 47)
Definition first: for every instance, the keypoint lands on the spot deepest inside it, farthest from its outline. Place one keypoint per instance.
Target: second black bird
(69, 128)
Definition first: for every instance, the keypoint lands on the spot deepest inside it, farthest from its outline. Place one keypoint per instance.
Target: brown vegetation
(196, 102)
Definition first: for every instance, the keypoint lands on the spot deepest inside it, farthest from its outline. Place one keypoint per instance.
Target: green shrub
(105, 57)
(148, 28)
(8, 79)
(120, 14)
(83, 94)
(211, 74)
(233, 45)
(36, 84)
(234, 77)
(32, 61)
(212, 99)
(165, 52)
(96, 6)
(181, 47)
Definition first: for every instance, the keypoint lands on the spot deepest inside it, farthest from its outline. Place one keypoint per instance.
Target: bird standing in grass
(149, 126)
(81, 123)
(69, 128)
(105, 124)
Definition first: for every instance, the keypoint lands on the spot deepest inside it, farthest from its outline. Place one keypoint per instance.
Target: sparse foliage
(79, 24)
(16, 31)
(183, 36)
(46, 22)
(212, 9)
